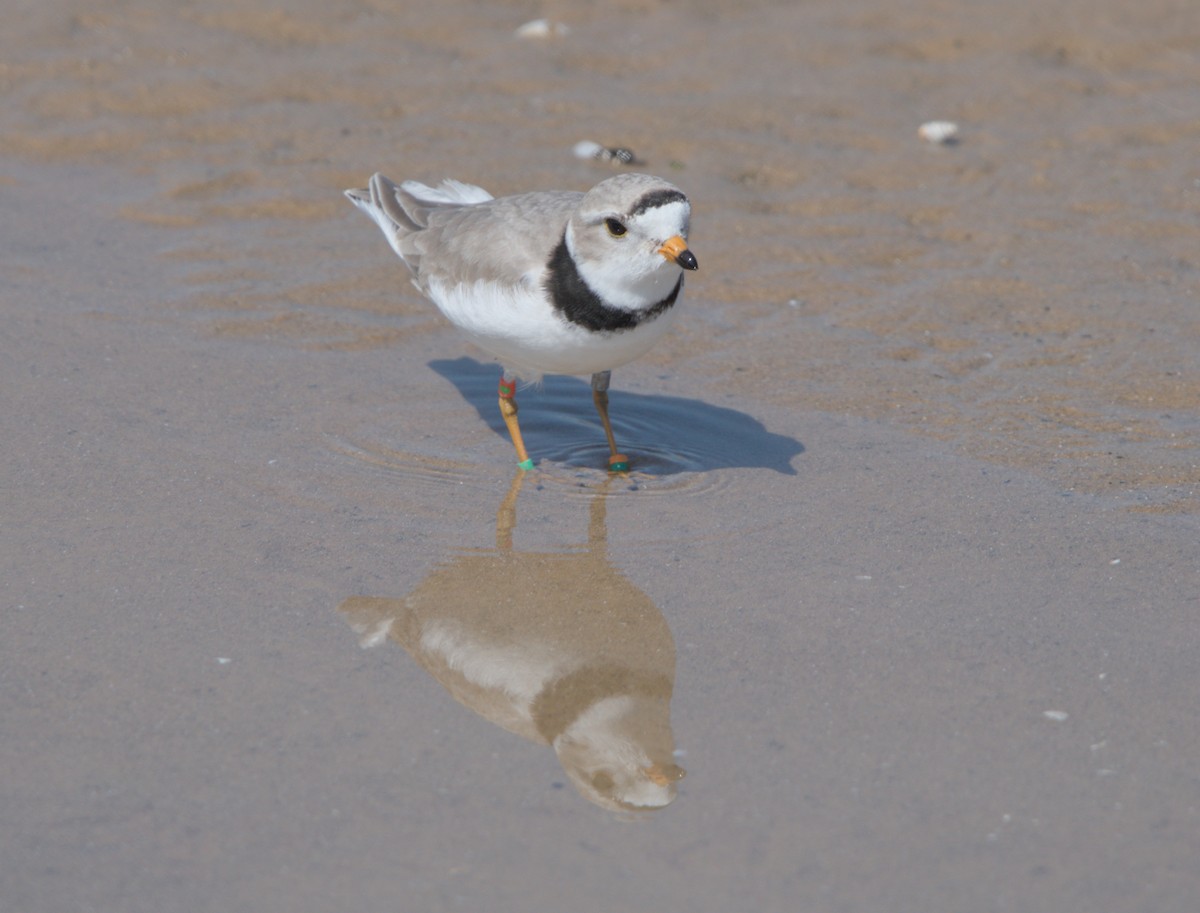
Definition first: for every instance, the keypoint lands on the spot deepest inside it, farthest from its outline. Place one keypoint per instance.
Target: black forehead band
(656, 198)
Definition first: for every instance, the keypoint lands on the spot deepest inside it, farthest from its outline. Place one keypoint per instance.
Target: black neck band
(574, 299)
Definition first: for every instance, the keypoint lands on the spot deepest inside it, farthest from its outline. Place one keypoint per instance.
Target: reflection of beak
(676, 250)
(662, 774)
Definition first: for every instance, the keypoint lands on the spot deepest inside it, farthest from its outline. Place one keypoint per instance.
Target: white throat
(630, 283)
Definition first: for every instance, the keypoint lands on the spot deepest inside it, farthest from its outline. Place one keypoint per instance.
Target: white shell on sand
(938, 131)
(541, 28)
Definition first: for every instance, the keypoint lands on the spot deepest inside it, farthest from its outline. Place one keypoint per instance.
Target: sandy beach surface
(899, 609)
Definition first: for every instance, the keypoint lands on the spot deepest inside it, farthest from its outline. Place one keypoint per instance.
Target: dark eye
(615, 228)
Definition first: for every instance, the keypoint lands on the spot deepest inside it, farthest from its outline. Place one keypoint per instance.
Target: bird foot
(618, 462)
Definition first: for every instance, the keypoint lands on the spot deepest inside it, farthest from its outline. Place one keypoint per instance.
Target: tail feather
(420, 201)
(448, 193)
(399, 210)
(379, 201)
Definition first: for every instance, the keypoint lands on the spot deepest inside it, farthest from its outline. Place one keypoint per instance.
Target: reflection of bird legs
(508, 408)
(598, 521)
(617, 462)
(506, 515)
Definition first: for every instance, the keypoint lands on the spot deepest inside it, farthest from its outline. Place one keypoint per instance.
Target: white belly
(520, 327)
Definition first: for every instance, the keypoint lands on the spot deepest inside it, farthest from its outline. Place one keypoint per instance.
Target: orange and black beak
(676, 250)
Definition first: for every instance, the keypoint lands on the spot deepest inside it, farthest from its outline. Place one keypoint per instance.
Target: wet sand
(905, 578)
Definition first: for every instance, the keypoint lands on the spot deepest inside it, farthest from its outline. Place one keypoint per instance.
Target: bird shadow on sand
(662, 435)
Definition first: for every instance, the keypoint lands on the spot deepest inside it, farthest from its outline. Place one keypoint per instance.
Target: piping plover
(556, 282)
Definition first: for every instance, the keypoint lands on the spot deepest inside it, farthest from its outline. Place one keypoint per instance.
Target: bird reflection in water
(557, 647)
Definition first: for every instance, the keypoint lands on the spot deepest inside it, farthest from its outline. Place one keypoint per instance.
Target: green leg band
(526, 465)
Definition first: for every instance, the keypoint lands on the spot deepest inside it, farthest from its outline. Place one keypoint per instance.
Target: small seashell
(541, 28)
(617, 155)
(586, 149)
(939, 132)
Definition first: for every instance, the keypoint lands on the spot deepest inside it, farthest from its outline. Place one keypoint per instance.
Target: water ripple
(675, 444)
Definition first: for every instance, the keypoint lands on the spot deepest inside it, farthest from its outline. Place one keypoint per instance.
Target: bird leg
(508, 408)
(617, 462)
